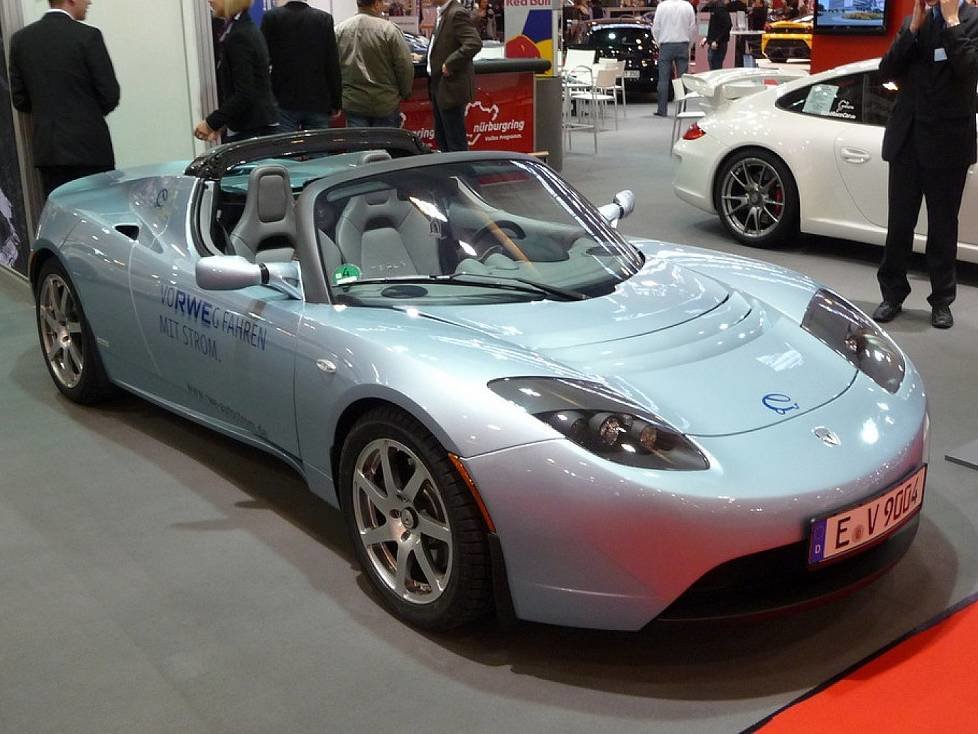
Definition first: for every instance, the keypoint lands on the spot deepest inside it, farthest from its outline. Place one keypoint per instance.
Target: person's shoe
(886, 311)
(941, 318)
(662, 114)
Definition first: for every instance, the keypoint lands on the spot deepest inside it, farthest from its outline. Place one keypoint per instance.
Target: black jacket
(454, 44)
(305, 62)
(244, 87)
(60, 72)
(935, 105)
(720, 24)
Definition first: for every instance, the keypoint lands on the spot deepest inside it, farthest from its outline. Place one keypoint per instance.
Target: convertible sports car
(800, 155)
(514, 407)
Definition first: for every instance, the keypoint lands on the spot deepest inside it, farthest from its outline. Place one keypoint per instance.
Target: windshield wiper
(516, 284)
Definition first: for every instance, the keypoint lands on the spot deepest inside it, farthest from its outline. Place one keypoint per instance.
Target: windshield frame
(316, 283)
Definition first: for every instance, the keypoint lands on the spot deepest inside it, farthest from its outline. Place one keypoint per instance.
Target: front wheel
(416, 530)
(756, 198)
(67, 343)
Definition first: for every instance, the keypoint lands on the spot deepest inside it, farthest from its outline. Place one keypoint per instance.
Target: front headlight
(841, 326)
(594, 417)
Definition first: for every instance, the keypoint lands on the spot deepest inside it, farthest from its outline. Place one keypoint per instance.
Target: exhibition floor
(157, 577)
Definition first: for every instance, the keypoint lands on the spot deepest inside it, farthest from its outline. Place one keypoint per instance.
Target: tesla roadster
(800, 155)
(516, 409)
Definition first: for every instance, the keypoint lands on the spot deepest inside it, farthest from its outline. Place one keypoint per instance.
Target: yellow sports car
(788, 39)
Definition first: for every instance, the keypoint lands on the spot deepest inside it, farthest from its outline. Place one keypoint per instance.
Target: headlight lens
(592, 416)
(845, 329)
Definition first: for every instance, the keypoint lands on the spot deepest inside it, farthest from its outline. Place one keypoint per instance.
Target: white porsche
(772, 158)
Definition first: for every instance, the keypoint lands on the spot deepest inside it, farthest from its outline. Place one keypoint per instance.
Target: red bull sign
(529, 29)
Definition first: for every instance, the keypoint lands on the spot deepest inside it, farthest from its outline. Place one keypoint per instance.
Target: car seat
(266, 231)
(388, 237)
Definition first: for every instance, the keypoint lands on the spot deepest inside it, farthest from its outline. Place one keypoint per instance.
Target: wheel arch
(43, 252)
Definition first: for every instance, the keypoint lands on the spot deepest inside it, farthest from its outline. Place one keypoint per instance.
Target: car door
(864, 102)
(228, 356)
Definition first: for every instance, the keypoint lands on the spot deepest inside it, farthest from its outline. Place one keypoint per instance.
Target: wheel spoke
(380, 534)
(75, 357)
(742, 185)
(757, 221)
(49, 320)
(380, 500)
(434, 529)
(435, 579)
(385, 465)
(63, 305)
(774, 219)
(746, 170)
(404, 551)
(74, 327)
(414, 484)
(54, 349)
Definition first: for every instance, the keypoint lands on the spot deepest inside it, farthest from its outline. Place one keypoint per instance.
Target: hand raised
(919, 14)
(949, 9)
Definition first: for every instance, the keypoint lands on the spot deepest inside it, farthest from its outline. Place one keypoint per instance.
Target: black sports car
(629, 39)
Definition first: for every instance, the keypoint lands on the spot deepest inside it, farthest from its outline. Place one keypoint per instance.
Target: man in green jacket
(376, 67)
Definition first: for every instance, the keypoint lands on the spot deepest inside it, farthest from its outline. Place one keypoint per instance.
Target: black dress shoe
(941, 318)
(887, 311)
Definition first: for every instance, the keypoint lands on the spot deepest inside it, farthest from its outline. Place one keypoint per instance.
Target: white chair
(682, 98)
(576, 80)
(599, 95)
(619, 67)
(577, 57)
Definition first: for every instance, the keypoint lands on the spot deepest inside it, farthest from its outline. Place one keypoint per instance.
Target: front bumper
(593, 544)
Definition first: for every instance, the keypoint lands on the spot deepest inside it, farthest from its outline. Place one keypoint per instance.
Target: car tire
(423, 546)
(756, 197)
(67, 343)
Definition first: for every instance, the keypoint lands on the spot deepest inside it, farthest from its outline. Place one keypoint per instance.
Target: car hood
(708, 359)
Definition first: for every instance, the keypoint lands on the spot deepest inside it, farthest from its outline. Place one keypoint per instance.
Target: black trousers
(54, 176)
(449, 126)
(942, 189)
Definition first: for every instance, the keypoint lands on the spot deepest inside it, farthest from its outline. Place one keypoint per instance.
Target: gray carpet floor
(156, 577)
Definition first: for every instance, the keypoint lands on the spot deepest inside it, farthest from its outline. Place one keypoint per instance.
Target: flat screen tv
(856, 17)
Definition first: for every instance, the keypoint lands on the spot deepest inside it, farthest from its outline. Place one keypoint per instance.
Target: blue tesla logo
(779, 402)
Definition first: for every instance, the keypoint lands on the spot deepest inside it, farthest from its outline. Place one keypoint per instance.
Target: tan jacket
(455, 43)
(376, 65)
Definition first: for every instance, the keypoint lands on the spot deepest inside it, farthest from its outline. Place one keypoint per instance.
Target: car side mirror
(231, 272)
(622, 205)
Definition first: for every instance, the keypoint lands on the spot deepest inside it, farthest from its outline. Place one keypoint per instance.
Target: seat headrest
(274, 191)
(378, 198)
(374, 156)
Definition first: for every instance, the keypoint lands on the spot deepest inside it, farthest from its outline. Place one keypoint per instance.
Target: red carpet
(924, 682)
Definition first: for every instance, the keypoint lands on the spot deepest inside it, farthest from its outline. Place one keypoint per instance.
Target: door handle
(855, 155)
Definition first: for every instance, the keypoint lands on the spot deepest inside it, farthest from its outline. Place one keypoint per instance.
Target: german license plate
(632, 73)
(846, 531)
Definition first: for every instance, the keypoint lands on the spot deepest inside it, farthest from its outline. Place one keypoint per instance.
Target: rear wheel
(67, 343)
(756, 198)
(416, 530)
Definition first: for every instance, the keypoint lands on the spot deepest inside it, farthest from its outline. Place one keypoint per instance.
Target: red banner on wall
(500, 118)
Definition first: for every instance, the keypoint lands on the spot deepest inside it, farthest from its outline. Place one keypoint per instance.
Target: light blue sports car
(517, 409)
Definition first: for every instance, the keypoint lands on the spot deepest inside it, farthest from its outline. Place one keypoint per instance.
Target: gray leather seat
(266, 231)
(387, 237)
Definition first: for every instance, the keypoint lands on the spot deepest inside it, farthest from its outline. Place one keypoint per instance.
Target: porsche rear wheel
(416, 530)
(66, 339)
(756, 198)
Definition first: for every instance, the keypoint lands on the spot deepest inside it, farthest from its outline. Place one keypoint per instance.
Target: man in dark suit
(451, 74)
(60, 72)
(930, 141)
(305, 65)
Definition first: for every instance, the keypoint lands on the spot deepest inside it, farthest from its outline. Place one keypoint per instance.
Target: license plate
(844, 532)
(632, 74)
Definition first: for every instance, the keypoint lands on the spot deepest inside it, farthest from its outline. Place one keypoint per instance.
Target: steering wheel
(512, 229)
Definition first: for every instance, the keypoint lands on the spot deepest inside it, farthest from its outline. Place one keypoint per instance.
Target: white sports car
(802, 155)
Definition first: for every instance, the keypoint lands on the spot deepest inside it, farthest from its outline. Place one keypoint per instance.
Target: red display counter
(502, 116)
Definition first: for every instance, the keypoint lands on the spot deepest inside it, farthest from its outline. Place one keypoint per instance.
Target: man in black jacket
(60, 72)
(717, 34)
(929, 143)
(305, 65)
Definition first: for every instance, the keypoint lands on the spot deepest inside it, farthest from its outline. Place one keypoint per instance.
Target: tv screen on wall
(851, 16)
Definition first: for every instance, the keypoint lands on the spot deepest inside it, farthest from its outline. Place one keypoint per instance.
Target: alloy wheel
(61, 331)
(752, 197)
(402, 521)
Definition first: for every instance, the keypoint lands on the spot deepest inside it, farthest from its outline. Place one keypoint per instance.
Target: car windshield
(481, 231)
(620, 37)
